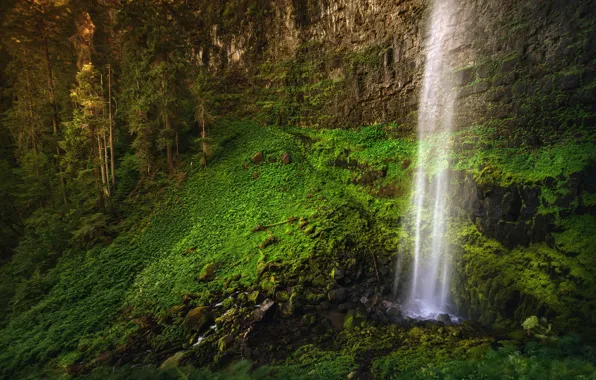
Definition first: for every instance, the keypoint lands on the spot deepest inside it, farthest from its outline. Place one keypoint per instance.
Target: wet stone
(463, 77)
(444, 317)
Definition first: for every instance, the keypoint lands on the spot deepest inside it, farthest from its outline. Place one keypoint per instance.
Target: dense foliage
(142, 179)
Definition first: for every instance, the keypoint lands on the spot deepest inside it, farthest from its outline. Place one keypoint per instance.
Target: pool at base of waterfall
(417, 309)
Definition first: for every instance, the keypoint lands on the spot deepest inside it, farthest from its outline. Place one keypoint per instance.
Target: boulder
(286, 158)
(208, 272)
(282, 296)
(393, 312)
(265, 312)
(444, 317)
(225, 342)
(255, 297)
(319, 280)
(296, 303)
(258, 158)
(198, 319)
(463, 77)
(337, 295)
(354, 319)
(173, 361)
(337, 274)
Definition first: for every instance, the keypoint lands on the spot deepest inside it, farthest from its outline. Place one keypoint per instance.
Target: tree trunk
(54, 112)
(102, 167)
(105, 161)
(113, 173)
(169, 147)
(96, 172)
(104, 147)
(204, 147)
(51, 86)
(177, 143)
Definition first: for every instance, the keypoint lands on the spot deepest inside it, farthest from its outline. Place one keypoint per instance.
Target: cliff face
(350, 63)
(523, 70)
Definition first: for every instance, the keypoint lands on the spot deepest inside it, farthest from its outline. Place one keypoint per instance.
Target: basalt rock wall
(348, 63)
(524, 70)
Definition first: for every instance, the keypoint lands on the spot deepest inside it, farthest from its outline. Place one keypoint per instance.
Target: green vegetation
(174, 201)
(199, 241)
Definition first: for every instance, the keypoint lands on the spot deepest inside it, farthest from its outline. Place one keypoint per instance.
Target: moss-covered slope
(314, 221)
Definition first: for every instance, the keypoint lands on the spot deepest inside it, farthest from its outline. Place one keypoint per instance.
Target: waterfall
(428, 294)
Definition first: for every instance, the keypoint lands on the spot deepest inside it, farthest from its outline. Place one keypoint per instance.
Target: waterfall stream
(428, 294)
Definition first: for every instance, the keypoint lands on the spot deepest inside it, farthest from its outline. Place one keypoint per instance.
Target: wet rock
(258, 158)
(266, 311)
(286, 158)
(405, 164)
(393, 312)
(337, 295)
(463, 77)
(444, 317)
(198, 319)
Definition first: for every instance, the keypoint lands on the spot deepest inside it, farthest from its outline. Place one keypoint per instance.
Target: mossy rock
(315, 298)
(354, 318)
(228, 303)
(282, 296)
(173, 361)
(225, 342)
(208, 272)
(319, 281)
(296, 303)
(253, 298)
(198, 319)
(268, 285)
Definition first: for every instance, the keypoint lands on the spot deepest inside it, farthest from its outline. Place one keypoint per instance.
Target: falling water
(429, 287)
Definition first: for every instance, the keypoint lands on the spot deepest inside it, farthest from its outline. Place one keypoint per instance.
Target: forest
(297, 189)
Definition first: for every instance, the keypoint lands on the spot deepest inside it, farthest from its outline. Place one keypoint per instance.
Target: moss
(310, 362)
(354, 319)
(502, 286)
(208, 272)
